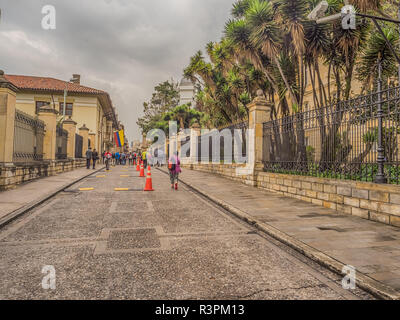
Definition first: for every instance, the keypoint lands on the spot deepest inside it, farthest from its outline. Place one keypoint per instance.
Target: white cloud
(20, 40)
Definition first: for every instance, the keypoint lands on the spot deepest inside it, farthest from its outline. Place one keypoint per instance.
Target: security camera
(319, 11)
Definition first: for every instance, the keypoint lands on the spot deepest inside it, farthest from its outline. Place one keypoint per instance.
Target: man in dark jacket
(89, 156)
(95, 157)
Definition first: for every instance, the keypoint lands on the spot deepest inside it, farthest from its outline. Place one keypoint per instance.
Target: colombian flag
(119, 138)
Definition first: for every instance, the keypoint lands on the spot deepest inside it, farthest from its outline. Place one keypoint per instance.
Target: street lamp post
(380, 177)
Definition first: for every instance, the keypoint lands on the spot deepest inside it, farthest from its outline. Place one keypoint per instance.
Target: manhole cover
(133, 239)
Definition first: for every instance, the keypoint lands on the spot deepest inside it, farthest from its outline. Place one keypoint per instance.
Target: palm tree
(376, 53)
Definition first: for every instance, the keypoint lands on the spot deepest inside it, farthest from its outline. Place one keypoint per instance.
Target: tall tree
(164, 99)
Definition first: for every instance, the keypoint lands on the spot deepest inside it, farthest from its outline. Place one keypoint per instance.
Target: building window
(68, 111)
(40, 104)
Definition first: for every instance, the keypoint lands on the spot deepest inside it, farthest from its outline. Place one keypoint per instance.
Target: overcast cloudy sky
(125, 47)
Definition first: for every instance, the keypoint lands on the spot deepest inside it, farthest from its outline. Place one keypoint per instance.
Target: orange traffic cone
(138, 167)
(149, 183)
(142, 172)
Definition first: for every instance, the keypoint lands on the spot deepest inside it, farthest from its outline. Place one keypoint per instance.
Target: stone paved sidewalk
(372, 248)
(31, 192)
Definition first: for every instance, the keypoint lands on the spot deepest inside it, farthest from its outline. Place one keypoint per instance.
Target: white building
(187, 92)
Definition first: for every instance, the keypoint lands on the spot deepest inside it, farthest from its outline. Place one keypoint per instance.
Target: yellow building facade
(86, 106)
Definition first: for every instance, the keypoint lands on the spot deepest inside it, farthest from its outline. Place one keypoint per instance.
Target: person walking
(89, 155)
(117, 157)
(95, 157)
(174, 168)
(130, 158)
(108, 157)
(144, 158)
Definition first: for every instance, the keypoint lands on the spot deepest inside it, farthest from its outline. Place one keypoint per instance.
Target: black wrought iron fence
(28, 138)
(235, 135)
(78, 146)
(61, 143)
(352, 139)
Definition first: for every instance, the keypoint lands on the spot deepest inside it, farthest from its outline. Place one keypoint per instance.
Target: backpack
(171, 166)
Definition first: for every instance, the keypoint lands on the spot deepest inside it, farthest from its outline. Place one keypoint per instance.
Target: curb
(21, 211)
(366, 283)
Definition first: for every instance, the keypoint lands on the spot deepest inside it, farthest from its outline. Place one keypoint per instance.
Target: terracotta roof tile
(48, 84)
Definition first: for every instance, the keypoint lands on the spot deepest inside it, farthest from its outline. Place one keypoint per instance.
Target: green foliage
(377, 51)
(165, 98)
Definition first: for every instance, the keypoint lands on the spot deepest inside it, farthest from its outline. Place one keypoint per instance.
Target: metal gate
(78, 146)
(61, 143)
(28, 138)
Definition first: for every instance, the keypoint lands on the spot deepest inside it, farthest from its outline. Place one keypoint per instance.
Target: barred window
(68, 111)
(40, 104)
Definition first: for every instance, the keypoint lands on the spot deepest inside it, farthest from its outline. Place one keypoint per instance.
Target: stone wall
(13, 175)
(370, 201)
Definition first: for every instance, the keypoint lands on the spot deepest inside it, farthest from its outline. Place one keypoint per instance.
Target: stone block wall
(370, 201)
(11, 176)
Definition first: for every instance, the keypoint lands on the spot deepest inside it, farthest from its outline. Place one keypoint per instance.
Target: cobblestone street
(150, 245)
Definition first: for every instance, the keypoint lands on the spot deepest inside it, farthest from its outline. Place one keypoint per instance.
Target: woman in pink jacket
(174, 167)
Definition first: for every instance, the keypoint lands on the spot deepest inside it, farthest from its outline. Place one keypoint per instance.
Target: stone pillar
(49, 116)
(7, 119)
(70, 126)
(84, 132)
(259, 112)
(92, 138)
(194, 149)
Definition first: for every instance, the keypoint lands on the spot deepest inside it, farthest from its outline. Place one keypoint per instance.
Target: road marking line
(124, 176)
(100, 176)
(86, 189)
(121, 189)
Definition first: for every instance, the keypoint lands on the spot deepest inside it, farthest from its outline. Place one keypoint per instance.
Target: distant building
(187, 92)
